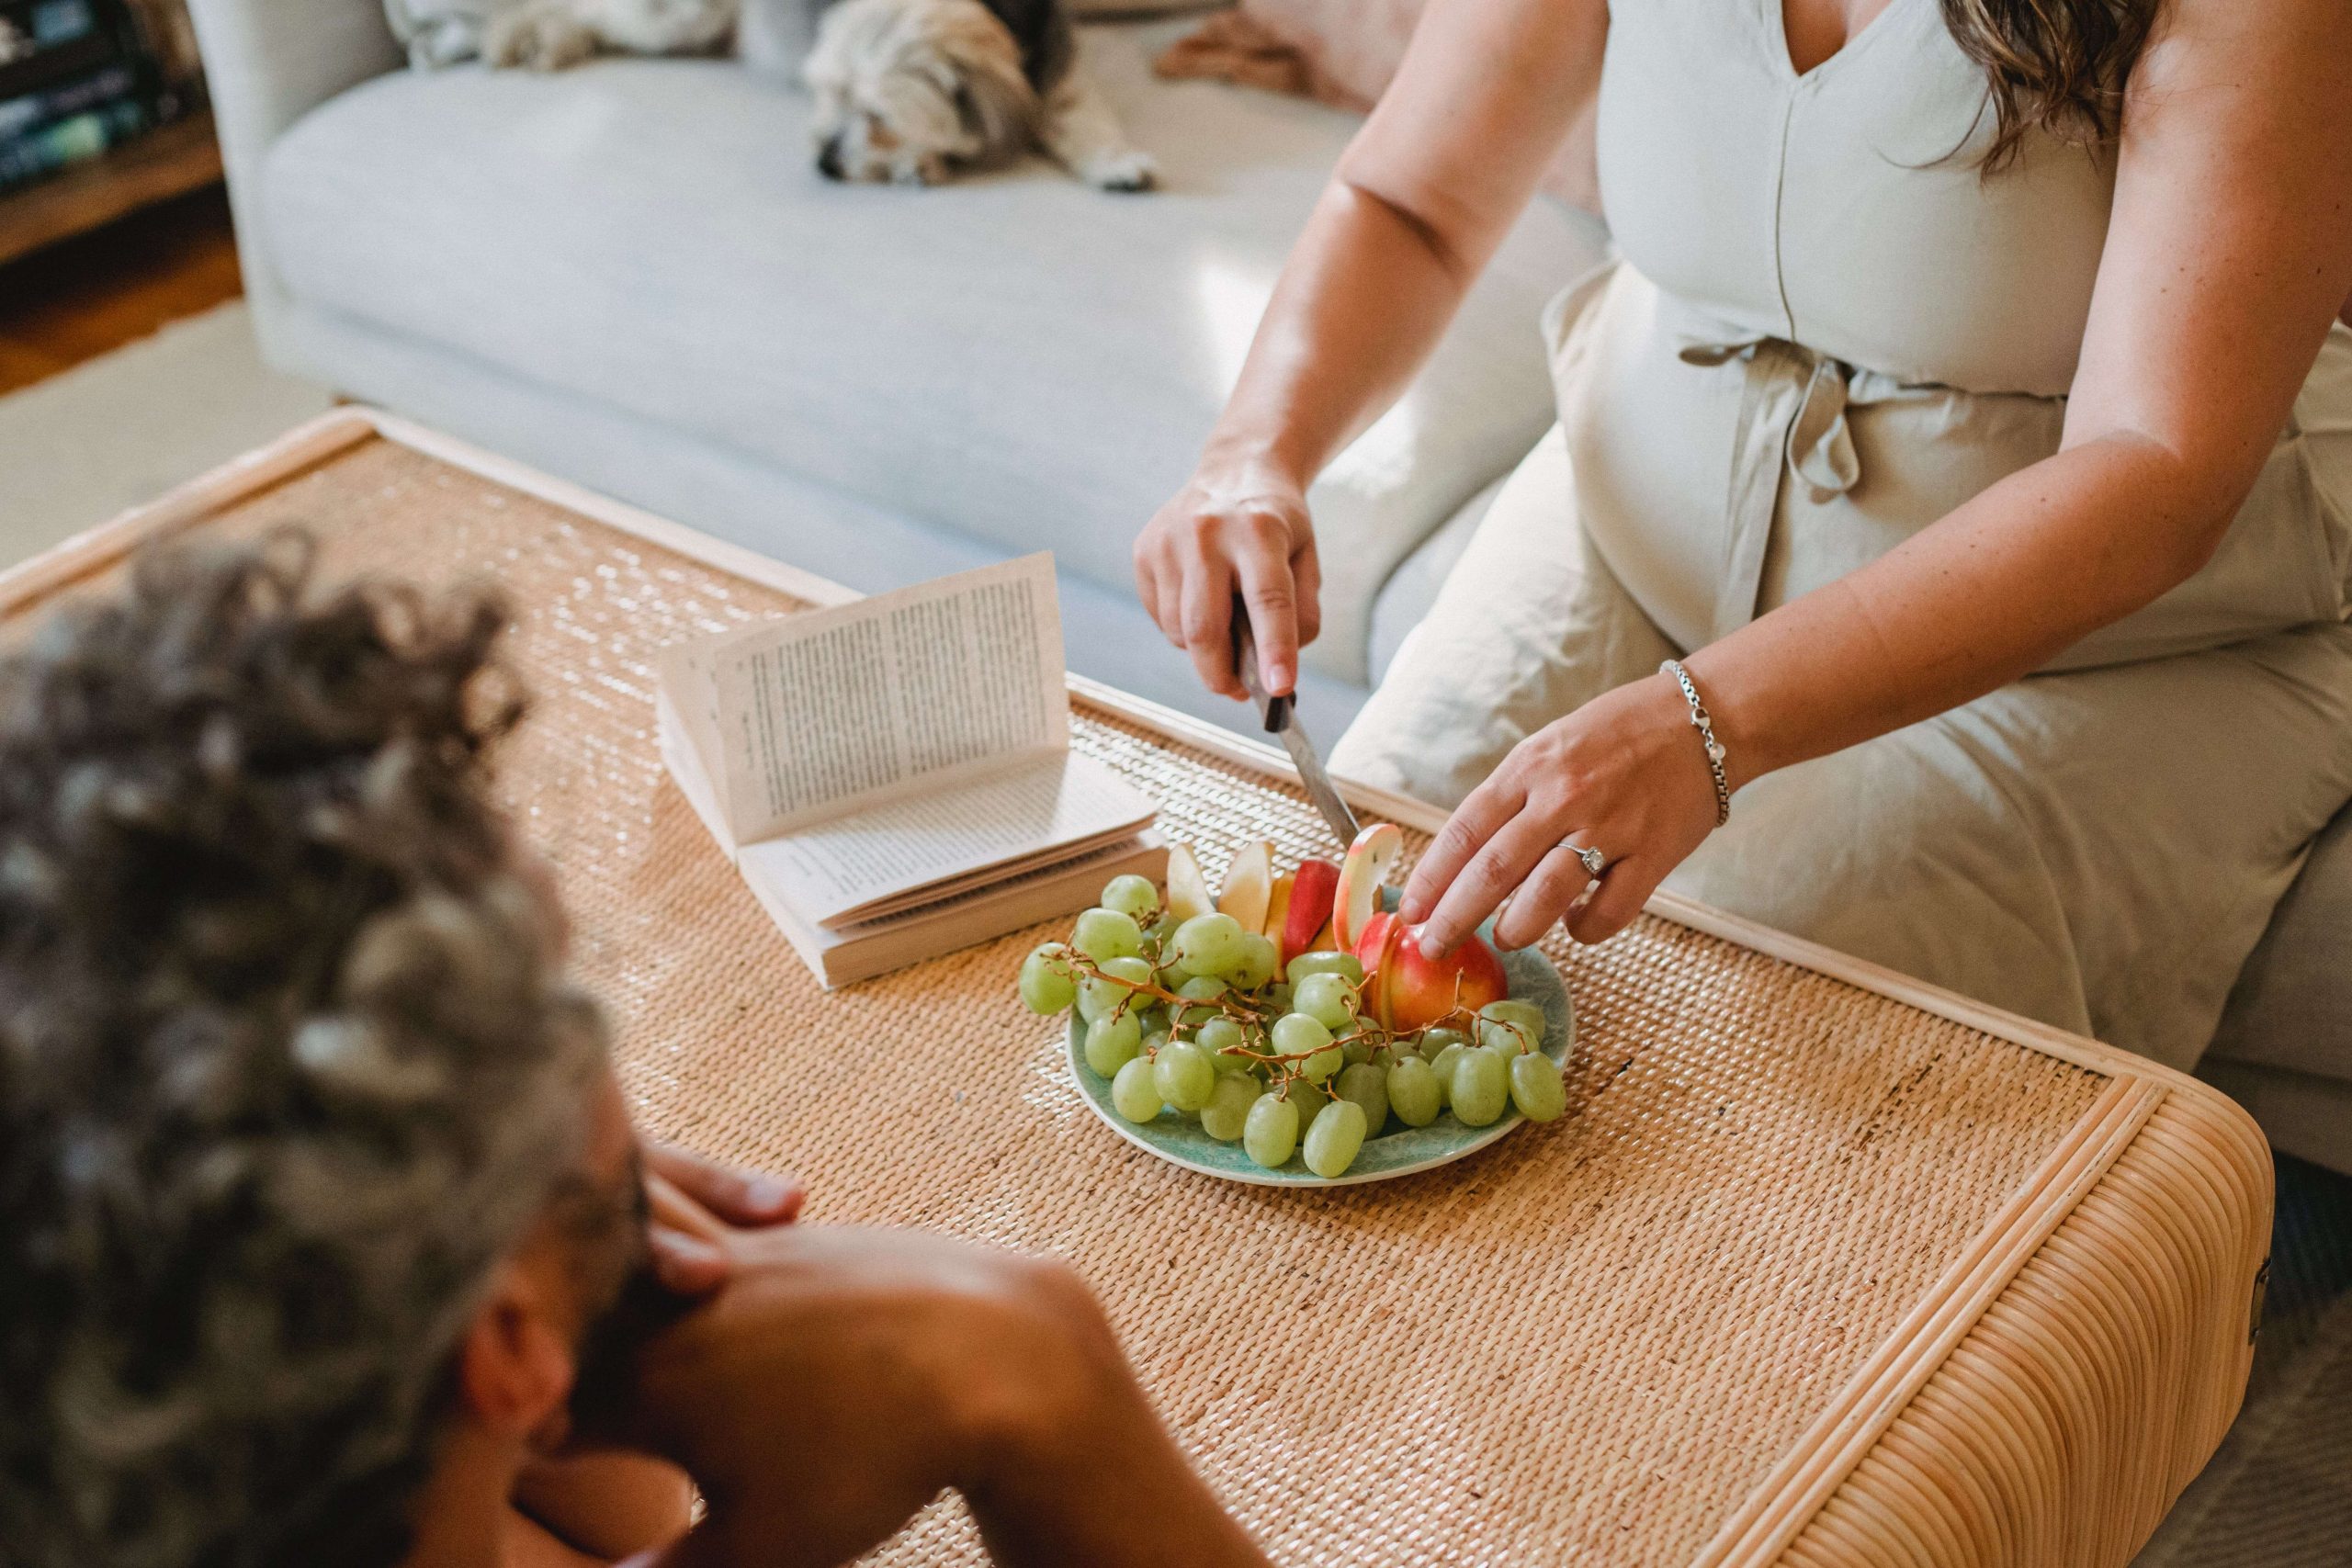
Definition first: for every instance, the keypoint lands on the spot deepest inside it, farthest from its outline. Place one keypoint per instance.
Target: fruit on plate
(1244, 1019)
(1405, 990)
(1188, 890)
(1306, 911)
(1249, 886)
(1364, 872)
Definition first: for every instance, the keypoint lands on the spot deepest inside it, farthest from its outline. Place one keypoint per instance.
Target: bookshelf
(169, 161)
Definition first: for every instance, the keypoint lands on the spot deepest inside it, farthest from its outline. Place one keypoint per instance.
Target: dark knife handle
(1274, 710)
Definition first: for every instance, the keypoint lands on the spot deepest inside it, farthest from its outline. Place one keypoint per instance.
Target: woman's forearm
(1366, 294)
(1987, 594)
(1422, 199)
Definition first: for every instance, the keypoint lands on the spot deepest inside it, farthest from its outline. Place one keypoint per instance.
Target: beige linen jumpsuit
(1829, 329)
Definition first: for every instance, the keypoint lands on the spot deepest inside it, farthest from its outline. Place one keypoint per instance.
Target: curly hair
(287, 1060)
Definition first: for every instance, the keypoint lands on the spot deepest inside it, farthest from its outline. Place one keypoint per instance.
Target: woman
(1932, 423)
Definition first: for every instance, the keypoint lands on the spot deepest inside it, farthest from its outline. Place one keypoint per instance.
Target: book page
(685, 703)
(852, 707)
(842, 868)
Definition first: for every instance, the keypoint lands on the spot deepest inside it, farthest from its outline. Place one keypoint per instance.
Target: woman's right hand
(1240, 531)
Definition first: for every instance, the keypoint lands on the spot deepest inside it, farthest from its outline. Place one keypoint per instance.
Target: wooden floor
(80, 299)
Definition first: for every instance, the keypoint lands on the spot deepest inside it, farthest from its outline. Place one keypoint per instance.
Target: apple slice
(1249, 886)
(1278, 910)
(1309, 907)
(1188, 890)
(1361, 874)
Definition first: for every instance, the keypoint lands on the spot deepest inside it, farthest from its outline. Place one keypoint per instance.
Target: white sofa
(631, 274)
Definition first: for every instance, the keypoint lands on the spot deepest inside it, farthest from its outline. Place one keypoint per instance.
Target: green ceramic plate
(1400, 1151)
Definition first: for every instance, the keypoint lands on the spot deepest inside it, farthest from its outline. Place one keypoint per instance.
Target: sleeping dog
(912, 91)
(908, 91)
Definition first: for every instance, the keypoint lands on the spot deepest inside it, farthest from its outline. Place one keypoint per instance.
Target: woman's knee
(1903, 853)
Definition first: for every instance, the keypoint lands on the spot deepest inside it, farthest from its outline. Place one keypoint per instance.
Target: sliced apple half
(1188, 890)
(1362, 873)
(1309, 908)
(1249, 886)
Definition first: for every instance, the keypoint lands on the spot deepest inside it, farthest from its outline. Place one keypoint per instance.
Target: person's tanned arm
(843, 1377)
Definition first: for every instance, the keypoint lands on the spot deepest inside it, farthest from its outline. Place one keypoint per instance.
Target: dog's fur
(914, 90)
(548, 35)
(907, 91)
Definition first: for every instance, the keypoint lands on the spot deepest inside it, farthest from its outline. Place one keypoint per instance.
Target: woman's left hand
(1624, 774)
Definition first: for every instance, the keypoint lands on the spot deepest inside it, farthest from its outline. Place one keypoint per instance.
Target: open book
(893, 778)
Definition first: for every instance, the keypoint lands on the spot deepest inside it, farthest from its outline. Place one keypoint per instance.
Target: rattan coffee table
(1824, 1266)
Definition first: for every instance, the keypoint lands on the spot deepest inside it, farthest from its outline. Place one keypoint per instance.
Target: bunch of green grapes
(1191, 1019)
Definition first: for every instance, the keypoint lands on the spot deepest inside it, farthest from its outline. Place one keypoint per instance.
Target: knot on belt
(1820, 449)
(1792, 414)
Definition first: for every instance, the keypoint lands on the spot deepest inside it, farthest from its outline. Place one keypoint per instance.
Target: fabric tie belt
(1792, 412)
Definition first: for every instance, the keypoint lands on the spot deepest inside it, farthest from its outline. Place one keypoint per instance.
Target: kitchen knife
(1281, 717)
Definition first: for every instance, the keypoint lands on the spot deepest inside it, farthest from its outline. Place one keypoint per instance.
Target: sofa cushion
(1353, 47)
(2289, 1017)
(1412, 588)
(1018, 358)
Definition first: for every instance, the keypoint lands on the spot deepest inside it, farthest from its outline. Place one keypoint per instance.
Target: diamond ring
(1594, 860)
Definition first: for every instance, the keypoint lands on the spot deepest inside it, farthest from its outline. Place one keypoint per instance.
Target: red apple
(1406, 990)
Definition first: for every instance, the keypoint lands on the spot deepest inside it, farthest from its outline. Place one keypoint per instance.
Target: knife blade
(1279, 716)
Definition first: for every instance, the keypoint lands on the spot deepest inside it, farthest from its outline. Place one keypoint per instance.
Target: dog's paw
(1125, 169)
(538, 38)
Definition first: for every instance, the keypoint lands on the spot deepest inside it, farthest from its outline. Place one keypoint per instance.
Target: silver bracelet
(1704, 723)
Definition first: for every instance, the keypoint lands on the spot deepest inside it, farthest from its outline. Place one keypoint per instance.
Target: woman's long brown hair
(2055, 66)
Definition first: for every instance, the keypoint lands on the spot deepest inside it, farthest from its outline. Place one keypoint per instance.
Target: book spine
(43, 24)
(34, 110)
(34, 153)
(45, 44)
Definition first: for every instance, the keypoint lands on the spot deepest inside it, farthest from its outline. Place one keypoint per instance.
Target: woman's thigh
(1528, 626)
(2098, 849)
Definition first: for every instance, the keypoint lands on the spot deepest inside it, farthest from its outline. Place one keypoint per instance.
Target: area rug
(122, 429)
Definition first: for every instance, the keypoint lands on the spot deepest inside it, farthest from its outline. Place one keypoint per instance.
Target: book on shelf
(82, 95)
(28, 155)
(75, 80)
(43, 44)
(894, 778)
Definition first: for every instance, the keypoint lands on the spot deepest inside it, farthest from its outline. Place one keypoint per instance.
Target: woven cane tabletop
(1590, 1344)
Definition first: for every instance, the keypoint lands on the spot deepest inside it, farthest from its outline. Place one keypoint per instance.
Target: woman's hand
(1243, 531)
(692, 1202)
(1625, 773)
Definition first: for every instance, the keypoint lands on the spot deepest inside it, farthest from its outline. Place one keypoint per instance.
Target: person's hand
(1243, 531)
(1625, 773)
(692, 1202)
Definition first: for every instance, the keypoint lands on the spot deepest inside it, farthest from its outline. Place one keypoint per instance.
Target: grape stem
(1286, 1066)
